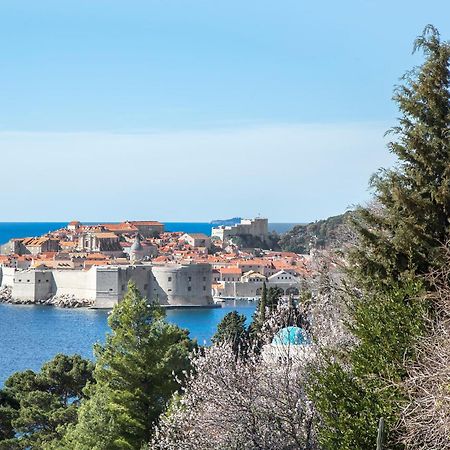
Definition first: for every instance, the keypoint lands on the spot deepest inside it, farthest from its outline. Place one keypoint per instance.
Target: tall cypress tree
(399, 240)
(259, 317)
(262, 304)
(412, 221)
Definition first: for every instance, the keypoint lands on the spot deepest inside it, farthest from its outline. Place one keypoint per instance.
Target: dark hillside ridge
(321, 234)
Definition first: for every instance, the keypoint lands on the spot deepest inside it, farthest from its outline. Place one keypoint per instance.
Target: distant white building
(257, 227)
(74, 225)
(196, 239)
(232, 283)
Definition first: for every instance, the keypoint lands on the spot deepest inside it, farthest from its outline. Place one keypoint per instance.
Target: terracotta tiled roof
(145, 222)
(94, 256)
(90, 263)
(123, 227)
(103, 235)
(68, 243)
(161, 258)
(230, 270)
(33, 242)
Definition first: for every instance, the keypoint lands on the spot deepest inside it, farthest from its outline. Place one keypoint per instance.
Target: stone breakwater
(62, 301)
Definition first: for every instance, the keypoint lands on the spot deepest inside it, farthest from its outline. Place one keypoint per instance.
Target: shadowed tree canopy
(232, 330)
(37, 407)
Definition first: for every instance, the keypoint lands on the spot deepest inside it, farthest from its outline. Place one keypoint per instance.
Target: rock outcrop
(62, 301)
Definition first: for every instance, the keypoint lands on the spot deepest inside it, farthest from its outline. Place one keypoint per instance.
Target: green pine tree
(274, 295)
(413, 221)
(399, 241)
(258, 319)
(232, 330)
(38, 407)
(137, 372)
(262, 304)
(9, 407)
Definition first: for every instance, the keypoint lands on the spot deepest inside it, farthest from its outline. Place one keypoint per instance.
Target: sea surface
(31, 335)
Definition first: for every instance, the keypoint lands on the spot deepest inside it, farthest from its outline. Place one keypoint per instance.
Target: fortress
(92, 264)
(104, 286)
(257, 227)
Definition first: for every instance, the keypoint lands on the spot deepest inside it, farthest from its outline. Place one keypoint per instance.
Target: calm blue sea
(31, 335)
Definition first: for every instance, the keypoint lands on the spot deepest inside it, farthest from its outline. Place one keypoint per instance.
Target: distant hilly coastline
(226, 222)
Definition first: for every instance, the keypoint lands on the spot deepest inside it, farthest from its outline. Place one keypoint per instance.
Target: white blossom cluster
(236, 404)
(425, 421)
(257, 402)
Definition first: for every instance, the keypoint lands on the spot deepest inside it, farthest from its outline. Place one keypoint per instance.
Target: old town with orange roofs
(91, 265)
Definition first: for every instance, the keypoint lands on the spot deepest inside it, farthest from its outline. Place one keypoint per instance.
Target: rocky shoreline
(61, 301)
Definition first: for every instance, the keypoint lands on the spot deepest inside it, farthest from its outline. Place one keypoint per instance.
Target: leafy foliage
(413, 221)
(137, 371)
(232, 331)
(274, 294)
(37, 407)
(321, 234)
(358, 387)
(8, 410)
(399, 239)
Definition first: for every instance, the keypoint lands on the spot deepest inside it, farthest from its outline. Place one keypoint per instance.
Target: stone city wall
(253, 289)
(105, 286)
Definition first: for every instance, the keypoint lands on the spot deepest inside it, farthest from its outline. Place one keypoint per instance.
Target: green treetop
(232, 330)
(259, 317)
(411, 219)
(137, 371)
(399, 240)
(274, 295)
(41, 405)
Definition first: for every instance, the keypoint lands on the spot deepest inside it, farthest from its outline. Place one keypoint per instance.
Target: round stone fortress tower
(183, 285)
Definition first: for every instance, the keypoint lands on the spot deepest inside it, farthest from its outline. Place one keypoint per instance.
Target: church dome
(136, 246)
(291, 336)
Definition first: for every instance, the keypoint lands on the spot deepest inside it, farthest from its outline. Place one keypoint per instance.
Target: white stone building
(196, 239)
(258, 228)
(249, 284)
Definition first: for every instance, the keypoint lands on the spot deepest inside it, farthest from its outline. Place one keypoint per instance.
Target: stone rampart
(105, 286)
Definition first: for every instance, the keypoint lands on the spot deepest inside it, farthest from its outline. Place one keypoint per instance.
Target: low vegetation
(320, 235)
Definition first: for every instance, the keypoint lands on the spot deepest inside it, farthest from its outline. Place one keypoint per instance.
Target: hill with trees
(322, 234)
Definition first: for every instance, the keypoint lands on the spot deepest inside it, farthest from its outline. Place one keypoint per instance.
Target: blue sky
(195, 110)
